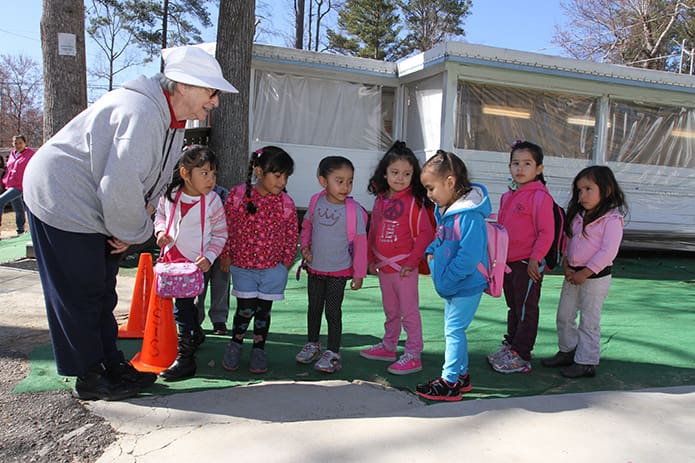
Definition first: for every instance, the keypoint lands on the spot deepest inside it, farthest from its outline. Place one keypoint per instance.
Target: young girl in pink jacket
(595, 228)
(399, 233)
(526, 211)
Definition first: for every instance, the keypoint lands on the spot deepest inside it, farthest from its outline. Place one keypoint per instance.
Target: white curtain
(312, 111)
(424, 114)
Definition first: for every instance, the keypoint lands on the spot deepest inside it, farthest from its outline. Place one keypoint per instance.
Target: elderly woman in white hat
(90, 191)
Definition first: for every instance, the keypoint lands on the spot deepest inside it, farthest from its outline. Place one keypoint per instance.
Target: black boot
(184, 365)
(561, 359)
(98, 385)
(198, 337)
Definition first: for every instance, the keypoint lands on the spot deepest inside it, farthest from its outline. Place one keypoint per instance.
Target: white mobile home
(475, 101)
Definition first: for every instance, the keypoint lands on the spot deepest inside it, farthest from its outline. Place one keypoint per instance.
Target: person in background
(595, 220)
(459, 246)
(332, 258)
(91, 191)
(399, 232)
(12, 180)
(261, 248)
(217, 280)
(190, 226)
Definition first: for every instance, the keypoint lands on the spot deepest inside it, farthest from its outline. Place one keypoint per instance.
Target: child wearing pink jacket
(526, 211)
(399, 233)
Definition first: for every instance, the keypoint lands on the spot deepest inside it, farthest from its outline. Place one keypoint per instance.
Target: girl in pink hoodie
(526, 211)
(399, 233)
(595, 228)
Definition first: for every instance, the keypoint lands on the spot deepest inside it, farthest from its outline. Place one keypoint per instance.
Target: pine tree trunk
(229, 135)
(64, 75)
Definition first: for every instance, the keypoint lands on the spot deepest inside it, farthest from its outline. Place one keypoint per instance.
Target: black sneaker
(124, 371)
(465, 381)
(440, 389)
(96, 385)
(560, 359)
(577, 370)
(219, 328)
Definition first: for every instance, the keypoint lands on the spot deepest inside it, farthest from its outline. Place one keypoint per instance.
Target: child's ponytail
(250, 207)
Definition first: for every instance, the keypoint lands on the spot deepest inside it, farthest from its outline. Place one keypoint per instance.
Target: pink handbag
(180, 279)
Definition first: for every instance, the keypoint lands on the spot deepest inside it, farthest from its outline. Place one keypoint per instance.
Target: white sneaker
(329, 362)
(309, 353)
(499, 353)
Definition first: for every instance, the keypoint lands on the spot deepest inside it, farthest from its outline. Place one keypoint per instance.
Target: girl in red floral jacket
(261, 247)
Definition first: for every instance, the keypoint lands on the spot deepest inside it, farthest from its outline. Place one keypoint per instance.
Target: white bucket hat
(194, 66)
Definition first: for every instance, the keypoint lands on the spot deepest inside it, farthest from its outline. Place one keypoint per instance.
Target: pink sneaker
(405, 365)
(378, 352)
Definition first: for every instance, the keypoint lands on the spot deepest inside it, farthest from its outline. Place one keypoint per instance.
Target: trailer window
(491, 118)
(311, 111)
(643, 134)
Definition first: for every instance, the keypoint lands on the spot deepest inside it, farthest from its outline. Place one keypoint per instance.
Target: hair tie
(516, 144)
(259, 152)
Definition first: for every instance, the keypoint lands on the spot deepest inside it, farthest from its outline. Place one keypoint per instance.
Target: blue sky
(521, 25)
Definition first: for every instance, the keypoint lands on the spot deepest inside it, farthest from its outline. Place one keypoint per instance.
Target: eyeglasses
(214, 92)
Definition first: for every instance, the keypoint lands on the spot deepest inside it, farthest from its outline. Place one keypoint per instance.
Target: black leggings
(328, 292)
(259, 310)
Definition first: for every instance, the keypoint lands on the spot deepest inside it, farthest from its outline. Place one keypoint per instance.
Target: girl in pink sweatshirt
(526, 211)
(400, 231)
(595, 216)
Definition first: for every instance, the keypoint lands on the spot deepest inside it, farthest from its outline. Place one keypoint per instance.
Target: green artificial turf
(646, 339)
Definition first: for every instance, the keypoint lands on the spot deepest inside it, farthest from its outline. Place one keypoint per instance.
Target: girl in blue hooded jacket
(460, 244)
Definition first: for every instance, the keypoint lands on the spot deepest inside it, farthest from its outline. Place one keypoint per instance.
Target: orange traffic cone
(135, 328)
(159, 345)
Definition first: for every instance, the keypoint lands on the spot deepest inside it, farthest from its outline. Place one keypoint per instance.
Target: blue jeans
(14, 196)
(458, 314)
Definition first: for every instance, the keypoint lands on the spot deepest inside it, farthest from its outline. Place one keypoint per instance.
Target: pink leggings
(401, 307)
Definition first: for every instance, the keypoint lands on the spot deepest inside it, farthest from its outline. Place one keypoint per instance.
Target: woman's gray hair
(167, 84)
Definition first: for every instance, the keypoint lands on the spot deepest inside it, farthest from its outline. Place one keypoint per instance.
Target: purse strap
(202, 219)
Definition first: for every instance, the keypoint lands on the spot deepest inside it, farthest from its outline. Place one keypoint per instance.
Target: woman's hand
(117, 246)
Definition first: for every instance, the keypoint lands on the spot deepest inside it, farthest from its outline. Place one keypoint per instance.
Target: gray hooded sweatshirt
(99, 172)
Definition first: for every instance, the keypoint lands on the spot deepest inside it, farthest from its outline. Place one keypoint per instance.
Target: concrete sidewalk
(337, 421)
(344, 422)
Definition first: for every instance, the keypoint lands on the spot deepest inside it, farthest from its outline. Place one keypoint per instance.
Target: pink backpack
(350, 214)
(497, 246)
(350, 221)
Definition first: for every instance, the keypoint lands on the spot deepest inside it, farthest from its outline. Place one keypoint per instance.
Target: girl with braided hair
(260, 249)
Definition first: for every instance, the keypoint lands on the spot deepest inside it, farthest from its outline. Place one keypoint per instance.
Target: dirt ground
(47, 426)
(8, 228)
